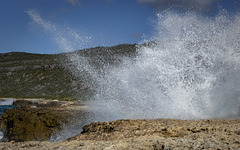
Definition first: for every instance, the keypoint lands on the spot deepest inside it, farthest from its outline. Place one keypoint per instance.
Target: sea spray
(7, 101)
(188, 70)
(67, 40)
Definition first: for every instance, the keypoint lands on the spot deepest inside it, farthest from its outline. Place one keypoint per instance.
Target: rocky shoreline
(135, 134)
(147, 134)
(37, 119)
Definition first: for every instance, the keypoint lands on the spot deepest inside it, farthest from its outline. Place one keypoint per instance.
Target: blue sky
(97, 22)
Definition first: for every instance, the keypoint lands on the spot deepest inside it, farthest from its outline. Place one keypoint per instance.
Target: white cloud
(185, 4)
(67, 39)
(74, 2)
(35, 16)
(138, 35)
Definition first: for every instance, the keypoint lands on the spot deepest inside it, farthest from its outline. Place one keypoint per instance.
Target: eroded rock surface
(31, 124)
(45, 103)
(148, 134)
(165, 133)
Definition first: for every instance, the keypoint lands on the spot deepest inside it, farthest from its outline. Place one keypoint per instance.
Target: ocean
(5, 104)
(188, 69)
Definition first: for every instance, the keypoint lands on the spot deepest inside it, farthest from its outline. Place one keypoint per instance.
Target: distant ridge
(27, 75)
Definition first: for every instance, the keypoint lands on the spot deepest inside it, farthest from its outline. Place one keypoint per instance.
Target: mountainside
(26, 75)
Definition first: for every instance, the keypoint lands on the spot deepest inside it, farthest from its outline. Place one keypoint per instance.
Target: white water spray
(8, 101)
(189, 70)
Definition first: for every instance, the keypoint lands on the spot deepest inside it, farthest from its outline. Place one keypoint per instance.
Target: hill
(27, 75)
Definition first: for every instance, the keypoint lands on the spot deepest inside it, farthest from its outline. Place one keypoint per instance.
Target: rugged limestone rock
(45, 103)
(29, 124)
(156, 134)
(147, 134)
(163, 134)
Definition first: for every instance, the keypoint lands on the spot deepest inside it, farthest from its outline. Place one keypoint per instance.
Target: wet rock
(31, 124)
(44, 103)
(157, 134)
(37, 103)
(162, 134)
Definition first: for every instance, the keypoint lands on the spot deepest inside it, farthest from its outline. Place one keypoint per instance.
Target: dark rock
(37, 103)
(45, 103)
(31, 124)
(23, 103)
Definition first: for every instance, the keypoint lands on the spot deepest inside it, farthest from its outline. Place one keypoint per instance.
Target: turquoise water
(5, 107)
(5, 104)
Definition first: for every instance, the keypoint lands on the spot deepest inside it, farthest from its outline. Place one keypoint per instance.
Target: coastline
(147, 134)
(137, 134)
(38, 119)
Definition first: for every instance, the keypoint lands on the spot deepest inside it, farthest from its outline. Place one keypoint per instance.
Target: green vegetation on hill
(25, 75)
